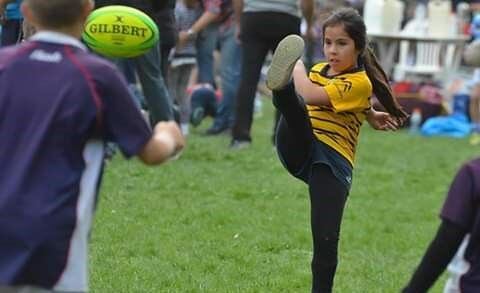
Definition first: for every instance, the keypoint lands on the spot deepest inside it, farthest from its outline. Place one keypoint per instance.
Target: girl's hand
(381, 120)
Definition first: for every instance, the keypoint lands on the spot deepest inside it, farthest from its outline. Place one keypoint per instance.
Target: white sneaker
(184, 128)
(288, 51)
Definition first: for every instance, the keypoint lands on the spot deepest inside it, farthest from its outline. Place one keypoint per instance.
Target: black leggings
(327, 194)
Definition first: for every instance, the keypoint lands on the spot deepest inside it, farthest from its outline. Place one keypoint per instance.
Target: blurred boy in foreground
(58, 104)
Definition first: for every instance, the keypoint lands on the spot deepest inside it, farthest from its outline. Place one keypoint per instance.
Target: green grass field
(218, 220)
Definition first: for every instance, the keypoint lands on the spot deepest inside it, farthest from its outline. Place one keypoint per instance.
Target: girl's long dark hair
(355, 27)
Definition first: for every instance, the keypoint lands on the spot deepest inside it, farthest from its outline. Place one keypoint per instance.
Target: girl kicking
(321, 118)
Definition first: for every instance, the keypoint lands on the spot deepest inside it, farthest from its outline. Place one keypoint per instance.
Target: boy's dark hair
(355, 27)
(56, 13)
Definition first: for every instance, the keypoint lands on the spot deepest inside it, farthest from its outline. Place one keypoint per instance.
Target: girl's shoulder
(358, 80)
(320, 70)
(318, 67)
(358, 74)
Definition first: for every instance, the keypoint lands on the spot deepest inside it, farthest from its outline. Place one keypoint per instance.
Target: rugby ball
(120, 31)
(471, 55)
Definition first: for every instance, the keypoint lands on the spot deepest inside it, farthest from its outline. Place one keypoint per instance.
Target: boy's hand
(171, 134)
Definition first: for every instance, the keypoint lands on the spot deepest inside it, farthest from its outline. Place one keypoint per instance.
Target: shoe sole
(288, 51)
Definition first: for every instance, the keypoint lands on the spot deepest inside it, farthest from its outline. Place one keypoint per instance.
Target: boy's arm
(441, 250)
(123, 123)
(166, 142)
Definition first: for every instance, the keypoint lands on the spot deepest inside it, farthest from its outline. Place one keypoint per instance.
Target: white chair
(426, 57)
(418, 58)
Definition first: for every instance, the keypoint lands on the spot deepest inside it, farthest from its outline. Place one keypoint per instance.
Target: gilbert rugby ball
(120, 31)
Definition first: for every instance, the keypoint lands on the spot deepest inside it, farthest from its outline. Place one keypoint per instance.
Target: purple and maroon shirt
(462, 207)
(58, 105)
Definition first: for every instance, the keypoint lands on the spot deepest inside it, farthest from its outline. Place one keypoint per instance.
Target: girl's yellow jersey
(339, 125)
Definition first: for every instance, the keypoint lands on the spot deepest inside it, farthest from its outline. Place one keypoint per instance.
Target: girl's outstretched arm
(311, 93)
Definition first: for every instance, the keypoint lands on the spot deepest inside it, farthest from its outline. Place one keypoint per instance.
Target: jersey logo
(347, 85)
(43, 56)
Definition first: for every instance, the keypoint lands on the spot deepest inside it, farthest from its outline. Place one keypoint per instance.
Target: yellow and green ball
(120, 31)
